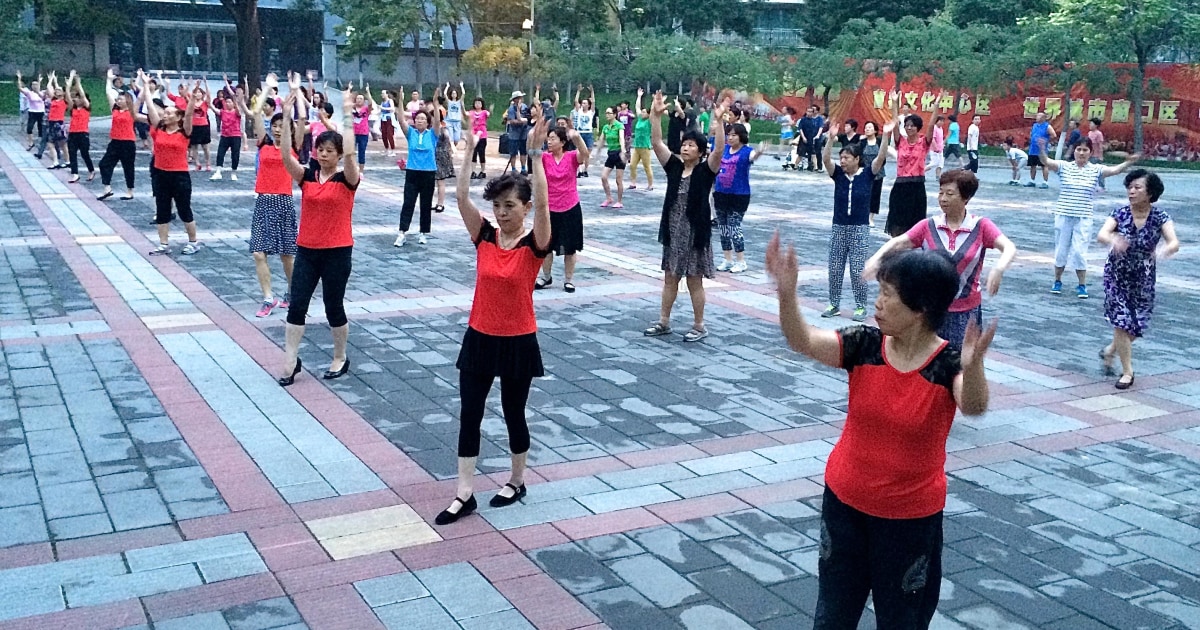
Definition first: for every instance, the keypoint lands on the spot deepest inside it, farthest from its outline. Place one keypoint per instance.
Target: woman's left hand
(995, 277)
(976, 342)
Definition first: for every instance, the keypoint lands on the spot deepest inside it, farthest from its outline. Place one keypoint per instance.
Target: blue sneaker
(1081, 292)
(1057, 288)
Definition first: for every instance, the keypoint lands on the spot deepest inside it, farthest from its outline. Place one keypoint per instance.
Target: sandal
(695, 335)
(657, 330)
(569, 287)
(105, 196)
(542, 283)
(1123, 384)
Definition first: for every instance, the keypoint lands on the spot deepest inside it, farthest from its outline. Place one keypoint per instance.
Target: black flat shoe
(542, 283)
(1122, 384)
(500, 501)
(104, 196)
(447, 517)
(439, 209)
(288, 380)
(330, 374)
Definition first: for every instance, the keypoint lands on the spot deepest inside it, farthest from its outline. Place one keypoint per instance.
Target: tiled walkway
(153, 476)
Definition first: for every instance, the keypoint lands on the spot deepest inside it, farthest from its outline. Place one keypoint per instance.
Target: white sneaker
(725, 265)
(215, 176)
(738, 267)
(421, 240)
(233, 176)
(399, 240)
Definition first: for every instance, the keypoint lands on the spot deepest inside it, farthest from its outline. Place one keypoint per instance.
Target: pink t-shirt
(561, 191)
(479, 120)
(231, 123)
(965, 246)
(939, 139)
(362, 121)
(1097, 138)
(413, 107)
(910, 157)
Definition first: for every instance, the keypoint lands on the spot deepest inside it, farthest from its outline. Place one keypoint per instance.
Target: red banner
(1171, 126)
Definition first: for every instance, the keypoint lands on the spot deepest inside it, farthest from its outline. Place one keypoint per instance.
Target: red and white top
(325, 210)
(562, 189)
(199, 115)
(965, 246)
(504, 279)
(170, 150)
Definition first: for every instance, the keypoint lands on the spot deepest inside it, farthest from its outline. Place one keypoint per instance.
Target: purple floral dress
(1129, 278)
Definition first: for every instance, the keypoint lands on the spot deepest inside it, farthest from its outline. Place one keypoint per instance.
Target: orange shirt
(504, 279)
(170, 150)
(80, 117)
(122, 125)
(58, 110)
(273, 178)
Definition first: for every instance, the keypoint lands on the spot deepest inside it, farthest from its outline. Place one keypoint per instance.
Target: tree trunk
(420, 74)
(457, 50)
(1139, 94)
(249, 36)
(825, 99)
(496, 73)
(478, 85)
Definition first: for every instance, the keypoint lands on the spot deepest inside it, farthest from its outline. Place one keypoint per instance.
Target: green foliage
(823, 20)
(369, 24)
(94, 86)
(691, 17)
(571, 18)
(1004, 13)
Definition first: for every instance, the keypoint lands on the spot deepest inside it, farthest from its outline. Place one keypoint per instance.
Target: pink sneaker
(606, 203)
(283, 302)
(265, 309)
(618, 205)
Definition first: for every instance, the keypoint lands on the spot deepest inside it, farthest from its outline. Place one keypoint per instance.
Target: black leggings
(77, 143)
(225, 144)
(123, 151)
(418, 183)
(480, 154)
(897, 561)
(172, 186)
(514, 393)
(35, 119)
(330, 267)
(876, 194)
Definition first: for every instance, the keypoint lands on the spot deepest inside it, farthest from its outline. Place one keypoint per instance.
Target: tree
(909, 47)
(375, 27)
(496, 55)
(570, 19)
(830, 69)
(691, 17)
(1138, 30)
(249, 36)
(70, 18)
(1004, 13)
(823, 20)
(499, 18)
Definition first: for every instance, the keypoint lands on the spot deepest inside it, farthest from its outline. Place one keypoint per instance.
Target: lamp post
(528, 26)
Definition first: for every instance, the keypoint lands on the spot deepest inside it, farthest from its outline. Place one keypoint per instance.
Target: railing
(773, 37)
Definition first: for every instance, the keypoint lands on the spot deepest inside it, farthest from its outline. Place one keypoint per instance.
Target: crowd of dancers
(883, 500)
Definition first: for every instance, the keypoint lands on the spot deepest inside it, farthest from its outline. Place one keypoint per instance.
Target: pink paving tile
(107, 617)
(243, 491)
(609, 523)
(505, 567)
(656, 456)
(470, 525)
(545, 603)
(1169, 423)
(1057, 442)
(289, 546)
(1174, 445)
(399, 478)
(1070, 411)
(340, 572)
(956, 463)
(117, 543)
(1023, 363)
(1161, 403)
(698, 507)
(737, 444)
(1043, 397)
(209, 526)
(324, 508)
(25, 555)
(759, 496)
(210, 597)
(995, 453)
(336, 608)
(428, 491)
(464, 549)
(535, 536)
(1115, 432)
(804, 434)
(581, 468)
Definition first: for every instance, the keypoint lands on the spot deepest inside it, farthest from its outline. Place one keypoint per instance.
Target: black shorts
(1035, 160)
(517, 145)
(615, 161)
(952, 149)
(201, 136)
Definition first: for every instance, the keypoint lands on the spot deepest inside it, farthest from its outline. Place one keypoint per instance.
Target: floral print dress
(1129, 277)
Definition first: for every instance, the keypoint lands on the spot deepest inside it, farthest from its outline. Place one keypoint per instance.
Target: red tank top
(325, 211)
(122, 125)
(273, 178)
(504, 279)
(58, 110)
(170, 150)
(80, 118)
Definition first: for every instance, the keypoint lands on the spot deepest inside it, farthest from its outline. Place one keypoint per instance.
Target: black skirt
(518, 356)
(907, 206)
(566, 231)
(201, 135)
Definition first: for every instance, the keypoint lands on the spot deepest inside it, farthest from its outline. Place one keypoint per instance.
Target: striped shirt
(1078, 192)
(965, 246)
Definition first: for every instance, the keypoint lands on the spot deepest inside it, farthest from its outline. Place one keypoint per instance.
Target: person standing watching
(1040, 137)
(973, 145)
(516, 123)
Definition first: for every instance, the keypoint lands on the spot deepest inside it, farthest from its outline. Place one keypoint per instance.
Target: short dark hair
(328, 107)
(873, 124)
(964, 180)
(854, 149)
(953, 117)
(738, 130)
(940, 118)
(700, 140)
(560, 132)
(329, 137)
(817, 108)
(482, 103)
(1009, 141)
(914, 120)
(276, 118)
(1085, 142)
(1095, 121)
(853, 124)
(515, 182)
(1154, 183)
(925, 280)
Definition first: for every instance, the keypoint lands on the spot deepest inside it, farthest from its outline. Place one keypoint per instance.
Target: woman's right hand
(782, 265)
(870, 269)
(1120, 244)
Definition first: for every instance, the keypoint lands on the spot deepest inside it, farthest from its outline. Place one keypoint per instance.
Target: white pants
(1071, 238)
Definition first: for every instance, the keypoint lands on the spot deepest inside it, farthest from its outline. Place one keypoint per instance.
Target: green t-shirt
(613, 132)
(641, 133)
(702, 120)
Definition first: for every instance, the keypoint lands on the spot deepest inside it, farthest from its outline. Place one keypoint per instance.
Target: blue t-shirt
(454, 111)
(852, 196)
(952, 137)
(1039, 133)
(517, 131)
(734, 176)
(420, 150)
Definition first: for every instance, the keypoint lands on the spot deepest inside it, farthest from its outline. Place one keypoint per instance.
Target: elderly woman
(885, 482)
(1135, 233)
(685, 229)
(963, 237)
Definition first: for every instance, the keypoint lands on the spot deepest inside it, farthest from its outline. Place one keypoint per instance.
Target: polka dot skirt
(274, 228)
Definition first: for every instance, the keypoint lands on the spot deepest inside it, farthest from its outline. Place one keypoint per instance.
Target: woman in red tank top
(78, 138)
(501, 338)
(885, 481)
(56, 130)
(121, 139)
(170, 129)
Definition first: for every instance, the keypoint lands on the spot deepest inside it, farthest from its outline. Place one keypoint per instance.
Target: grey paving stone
(1100, 605)
(1164, 550)
(628, 498)
(202, 621)
(994, 554)
(1086, 542)
(229, 567)
(1156, 523)
(71, 499)
(139, 584)
(574, 568)
(80, 526)
(684, 554)
(708, 616)
(565, 489)
(18, 489)
(748, 599)
(188, 552)
(712, 484)
(154, 429)
(178, 484)
(1171, 605)
(624, 608)
(503, 620)
(195, 508)
(989, 616)
(707, 528)
(767, 531)
(50, 441)
(60, 468)
(120, 482)
(21, 525)
(47, 417)
(521, 515)
(755, 560)
(1010, 595)
(462, 591)
(790, 511)
(655, 580)
(134, 509)
(417, 614)
(643, 476)
(610, 547)
(390, 589)
(1080, 516)
(1020, 538)
(30, 601)
(278, 612)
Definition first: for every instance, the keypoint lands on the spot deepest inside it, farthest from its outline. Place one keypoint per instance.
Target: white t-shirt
(1077, 196)
(583, 120)
(1017, 154)
(973, 137)
(454, 111)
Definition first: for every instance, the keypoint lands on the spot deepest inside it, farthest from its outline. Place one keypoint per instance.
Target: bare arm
(580, 146)
(187, 114)
(827, 158)
(758, 151)
(895, 244)
(1108, 232)
(818, 344)
(111, 92)
(1170, 245)
(290, 163)
(82, 95)
(349, 164)
(541, 205)
(881, 159)
(718, 150)
(971, 387)
(1109, 171)
(656, 135)
(402, 118)
(471, 217)
(1008, 251)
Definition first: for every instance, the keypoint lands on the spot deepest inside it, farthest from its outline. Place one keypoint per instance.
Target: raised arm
(578, 89)
(818, 344)
(637, 104)
(1109, 171)
(971, 386)
(471, 217)
(581, 149)
(553, 90)
(827, 155)
(718, 150)
(350, 165)
(192, 103)
(758, 151)
(402, 117)
(932, 122)
(541, 205)
(435, 117)
(79, 90)
(153, 116)
(290, 163)
(110, 91)
(881, 159)
(657, 108)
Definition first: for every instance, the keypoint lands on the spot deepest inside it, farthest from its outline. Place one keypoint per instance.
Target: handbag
(503, 144)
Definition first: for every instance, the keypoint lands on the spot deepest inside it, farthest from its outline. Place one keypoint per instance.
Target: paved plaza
(154, 475)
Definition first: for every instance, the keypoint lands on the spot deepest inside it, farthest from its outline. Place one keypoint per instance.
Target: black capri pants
(35, 119)
(77, 143)
(330, 267)
(225, 144)
(172, 186)
(480, 154)
(418, 183)
(514, 394)
(123, 151)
